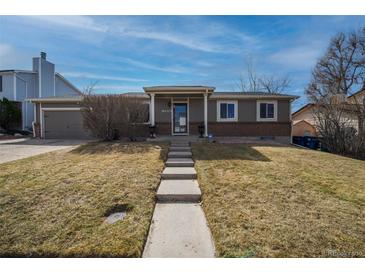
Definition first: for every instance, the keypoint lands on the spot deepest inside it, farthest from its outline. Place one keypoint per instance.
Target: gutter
(213, 96)
(55, 100)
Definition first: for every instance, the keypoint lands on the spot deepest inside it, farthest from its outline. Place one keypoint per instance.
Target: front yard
(267, 201)
(55, 204)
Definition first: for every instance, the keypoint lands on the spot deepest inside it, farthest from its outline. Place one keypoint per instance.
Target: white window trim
(219, 119)
(259, 119)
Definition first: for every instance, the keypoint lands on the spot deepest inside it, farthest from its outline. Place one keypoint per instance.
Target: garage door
(65, 124)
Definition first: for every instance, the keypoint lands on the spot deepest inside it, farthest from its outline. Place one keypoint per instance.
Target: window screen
(227, 110)
(223, 111)
(266, 110)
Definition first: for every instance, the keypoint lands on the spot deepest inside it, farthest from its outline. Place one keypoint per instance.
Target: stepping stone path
(179, 228)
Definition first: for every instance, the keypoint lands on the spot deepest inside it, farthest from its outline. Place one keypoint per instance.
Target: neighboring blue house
(43, 81)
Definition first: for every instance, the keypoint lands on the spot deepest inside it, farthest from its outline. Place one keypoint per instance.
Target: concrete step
(179, 173)
(179, 230)
(179, 162)
(180, 144)
(179, 154)
(187, 191)
(180, 148)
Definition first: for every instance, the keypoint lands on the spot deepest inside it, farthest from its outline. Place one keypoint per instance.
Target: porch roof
(178, 89)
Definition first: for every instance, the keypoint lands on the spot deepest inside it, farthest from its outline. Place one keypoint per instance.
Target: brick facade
(250, 129)
(163, 128)
(234, 129)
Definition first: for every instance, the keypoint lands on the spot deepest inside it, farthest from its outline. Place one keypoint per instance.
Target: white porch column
(152, 109)
(205, 114)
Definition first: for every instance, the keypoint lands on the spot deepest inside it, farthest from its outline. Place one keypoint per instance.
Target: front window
(227, 111)
(266, 110)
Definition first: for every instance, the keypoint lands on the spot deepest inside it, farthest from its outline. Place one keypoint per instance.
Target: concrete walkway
(179, 228)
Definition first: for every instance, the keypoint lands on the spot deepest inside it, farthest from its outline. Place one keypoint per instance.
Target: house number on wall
(166, 110)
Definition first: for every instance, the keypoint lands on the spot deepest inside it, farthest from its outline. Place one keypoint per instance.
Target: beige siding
(247, 110)
(162, 110)
(196, 110)
(306, 115)
(283, 111)
(212, 110)
(37, 115)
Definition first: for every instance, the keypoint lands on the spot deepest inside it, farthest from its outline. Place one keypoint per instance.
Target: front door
(180, 118)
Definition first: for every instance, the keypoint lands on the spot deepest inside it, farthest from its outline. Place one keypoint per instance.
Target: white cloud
(80, 22)
(5, 50)
(300, 57)
(174, 38)
(10, 58)
(200, 35)
(140, 64)
(116, 88)
(203, 63)
(100, 77)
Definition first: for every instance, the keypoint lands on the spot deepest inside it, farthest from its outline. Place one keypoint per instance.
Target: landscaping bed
(56, 204)
(278, 201)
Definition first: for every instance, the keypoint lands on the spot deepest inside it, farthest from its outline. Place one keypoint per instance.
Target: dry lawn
(55, 204)
(267, 201)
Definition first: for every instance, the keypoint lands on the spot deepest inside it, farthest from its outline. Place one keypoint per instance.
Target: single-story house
(179, 110)
(304, 122)
(42, 81)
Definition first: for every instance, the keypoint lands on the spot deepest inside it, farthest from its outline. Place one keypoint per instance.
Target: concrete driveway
(11, 150)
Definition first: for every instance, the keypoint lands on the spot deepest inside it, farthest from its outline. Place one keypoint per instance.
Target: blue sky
(125, 53)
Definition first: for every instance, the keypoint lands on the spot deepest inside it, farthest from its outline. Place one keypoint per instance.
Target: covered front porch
(179, 111)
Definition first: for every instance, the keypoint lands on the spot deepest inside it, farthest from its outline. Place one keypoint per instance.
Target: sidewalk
(179, 228)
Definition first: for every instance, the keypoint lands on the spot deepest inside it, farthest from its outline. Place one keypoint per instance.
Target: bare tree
(110, 117)
(252, 82)
(89, 89)
(249, 82)
(273, 84)
(136, 112)
(338, 74)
